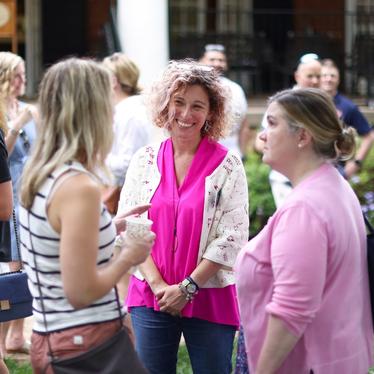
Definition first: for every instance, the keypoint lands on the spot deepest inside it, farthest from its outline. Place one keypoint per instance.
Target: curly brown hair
(178, 76)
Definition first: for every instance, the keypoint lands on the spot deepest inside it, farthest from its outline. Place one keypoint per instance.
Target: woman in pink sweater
(302, 282)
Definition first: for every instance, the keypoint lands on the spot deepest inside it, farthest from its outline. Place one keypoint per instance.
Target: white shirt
(238, 106)
(132, 130)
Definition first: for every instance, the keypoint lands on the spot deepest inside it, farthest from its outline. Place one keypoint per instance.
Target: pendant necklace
(175, 212)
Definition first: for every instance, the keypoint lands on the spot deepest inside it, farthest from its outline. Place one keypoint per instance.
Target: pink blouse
(177, 213)
(308, 267)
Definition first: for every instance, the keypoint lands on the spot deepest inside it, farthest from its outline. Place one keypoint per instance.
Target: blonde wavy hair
(178, 76)
(8, 64)
(125, 70)
(3, 121)
(75, 122)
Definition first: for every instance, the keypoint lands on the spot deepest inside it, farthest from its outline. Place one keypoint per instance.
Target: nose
(262, 135)
(315, 81)
(185, 112)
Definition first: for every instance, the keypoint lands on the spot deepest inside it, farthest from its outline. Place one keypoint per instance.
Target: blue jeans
(158, 335)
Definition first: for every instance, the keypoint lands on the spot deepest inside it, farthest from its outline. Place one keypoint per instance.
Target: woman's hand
(136, 250)
(119, 219)
(26, 114)
(171, 300)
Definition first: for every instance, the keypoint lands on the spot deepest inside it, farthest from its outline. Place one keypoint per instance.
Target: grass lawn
(184, 366)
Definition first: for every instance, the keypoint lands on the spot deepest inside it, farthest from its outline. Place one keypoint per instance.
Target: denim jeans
(158, 335)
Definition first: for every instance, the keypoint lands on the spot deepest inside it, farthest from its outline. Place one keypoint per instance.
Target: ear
(295, 75)
(304, 138)
(209, 116)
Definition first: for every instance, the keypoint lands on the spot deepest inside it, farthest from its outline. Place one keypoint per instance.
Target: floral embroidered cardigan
(225, 219)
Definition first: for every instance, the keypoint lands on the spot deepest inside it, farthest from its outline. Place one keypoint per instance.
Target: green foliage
(261, 202)
(17, 368)
(363, 184)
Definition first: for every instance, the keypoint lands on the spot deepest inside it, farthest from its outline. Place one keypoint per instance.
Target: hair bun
(345, 143)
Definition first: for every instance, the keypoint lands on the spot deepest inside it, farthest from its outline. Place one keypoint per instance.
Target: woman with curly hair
(198, 192)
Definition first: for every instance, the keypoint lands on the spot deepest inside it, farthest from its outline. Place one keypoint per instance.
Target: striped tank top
(34, 224)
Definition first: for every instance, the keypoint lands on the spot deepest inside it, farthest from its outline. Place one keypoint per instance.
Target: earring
(207, 126)
(299, 145)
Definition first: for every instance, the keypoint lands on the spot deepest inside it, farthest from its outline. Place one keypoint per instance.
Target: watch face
(191, 288)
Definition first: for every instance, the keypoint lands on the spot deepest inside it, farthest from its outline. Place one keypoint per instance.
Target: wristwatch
(189, 288)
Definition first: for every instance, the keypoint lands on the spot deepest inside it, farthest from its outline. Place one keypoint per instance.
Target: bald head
(308, 74)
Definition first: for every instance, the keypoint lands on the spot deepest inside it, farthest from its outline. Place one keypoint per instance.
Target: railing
(263, 46)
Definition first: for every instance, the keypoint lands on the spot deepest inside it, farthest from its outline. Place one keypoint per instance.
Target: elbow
(6, 213)
(77, 303)
(78, 299)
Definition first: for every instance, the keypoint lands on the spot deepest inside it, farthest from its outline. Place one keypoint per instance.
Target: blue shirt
(351, 115)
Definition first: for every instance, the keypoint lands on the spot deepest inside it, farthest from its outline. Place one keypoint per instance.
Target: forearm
(99, 285)
(277, 345)
(152, 275)
(204, 271)
(365, 146)
(10, 140)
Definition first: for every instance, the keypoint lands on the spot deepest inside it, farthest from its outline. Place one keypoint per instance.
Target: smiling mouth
(184, 125)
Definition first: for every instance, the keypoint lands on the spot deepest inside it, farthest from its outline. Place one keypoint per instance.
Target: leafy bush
(363, 184)
(261, 202)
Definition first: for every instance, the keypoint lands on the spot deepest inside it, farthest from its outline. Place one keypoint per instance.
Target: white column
(350, 33)
(33, 44)
(144, 35)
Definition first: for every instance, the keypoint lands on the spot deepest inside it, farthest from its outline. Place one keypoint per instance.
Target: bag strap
(52, 357)
(368, 224)
(16, 233)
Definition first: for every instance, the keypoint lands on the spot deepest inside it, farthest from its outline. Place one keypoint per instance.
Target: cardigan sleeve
(230, 231)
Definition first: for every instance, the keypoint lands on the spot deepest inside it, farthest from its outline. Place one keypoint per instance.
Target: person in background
(238, 135)
(302, 282)
(307, 75)
(66, 233)
(132, 130)
(349, 113)
(6, 206)
(199, 208)
(19, 139)
(131, 126)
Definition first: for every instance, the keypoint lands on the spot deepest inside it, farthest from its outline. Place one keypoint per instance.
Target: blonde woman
(302, 282)
(131, 126)
(19, 137)
(66, 232)
(6, 204)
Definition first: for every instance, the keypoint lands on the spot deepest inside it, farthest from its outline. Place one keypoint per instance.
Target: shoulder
(342, 101)
(75, 194)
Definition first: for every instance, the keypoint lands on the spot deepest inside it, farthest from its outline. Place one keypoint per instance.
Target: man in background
(238, 136)
(350, 114)
(307, 75)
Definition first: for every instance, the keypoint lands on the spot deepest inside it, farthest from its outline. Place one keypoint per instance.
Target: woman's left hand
(119, 219)
(171, 300)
